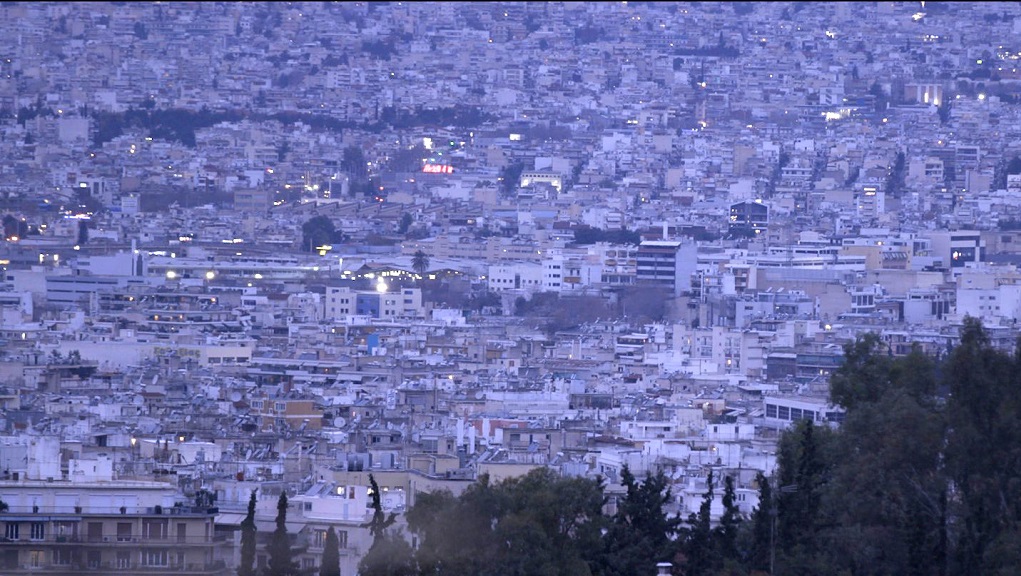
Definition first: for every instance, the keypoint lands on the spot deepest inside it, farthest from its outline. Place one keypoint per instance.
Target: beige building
(111, 527)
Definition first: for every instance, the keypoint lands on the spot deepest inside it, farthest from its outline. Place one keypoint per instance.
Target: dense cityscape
(596, 288)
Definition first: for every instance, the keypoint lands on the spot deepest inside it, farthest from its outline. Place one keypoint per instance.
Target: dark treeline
(922, 477)
(178, 124)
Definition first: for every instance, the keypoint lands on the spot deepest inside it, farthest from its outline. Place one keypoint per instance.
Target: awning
(229, 518)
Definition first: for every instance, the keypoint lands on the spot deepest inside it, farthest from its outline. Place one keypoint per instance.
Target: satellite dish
(339, 421)
(479, 395)
(235, 396)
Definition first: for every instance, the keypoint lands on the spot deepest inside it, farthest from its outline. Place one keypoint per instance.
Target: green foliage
(460, 115)
(588, 235)
(697, 544)
(539, 523)
(803, 458)
(918, 478)
(248, 530)
(391, 555)
(983, 452)
(639, 535)
(281, 556)
(317, 231)
(406, 222)
(760, 537)
(510, 175)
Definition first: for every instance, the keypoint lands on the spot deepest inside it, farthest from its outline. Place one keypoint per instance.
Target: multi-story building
(344, 302)
(668, 263)
(65, 527)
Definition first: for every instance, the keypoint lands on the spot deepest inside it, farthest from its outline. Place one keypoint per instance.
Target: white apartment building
(343, 302)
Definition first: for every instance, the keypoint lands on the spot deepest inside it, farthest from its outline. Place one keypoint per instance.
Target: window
(35, 558)
(319, 538)
(342, 538)
(154, 557)
(770, 410)
(38, 531)
(124, 531)
(61, 556)
(306, 506)
(93, 558)
(783, 413)
(124, 559)
(11, 531)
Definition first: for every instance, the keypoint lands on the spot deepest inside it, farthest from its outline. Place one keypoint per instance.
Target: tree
(248, 530)
(801, 457)
(538, 523)
(330, 565)
(983, 449)
(353, 162)
(761, 536)
(420, 262)
(696, 546)
(406, 222)
(509, 176)
(389, 554)
(639, 535)
(317, 231)
(379, 522)
(725, 535)
(83, 232)
(281, 557)
(882, 506)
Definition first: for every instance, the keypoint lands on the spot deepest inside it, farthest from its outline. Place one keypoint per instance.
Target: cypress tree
(281, 557)
(247, 567)
(330, 565)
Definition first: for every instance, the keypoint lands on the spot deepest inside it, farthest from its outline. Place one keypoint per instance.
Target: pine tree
(247, 567)
(281, 557)
(330, 565)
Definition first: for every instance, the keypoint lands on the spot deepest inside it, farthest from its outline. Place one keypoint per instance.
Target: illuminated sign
(438, 169)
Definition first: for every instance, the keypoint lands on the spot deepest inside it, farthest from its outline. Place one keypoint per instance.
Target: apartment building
(130, 528)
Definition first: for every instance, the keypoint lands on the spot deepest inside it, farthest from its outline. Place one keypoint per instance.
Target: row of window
(788, 413)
